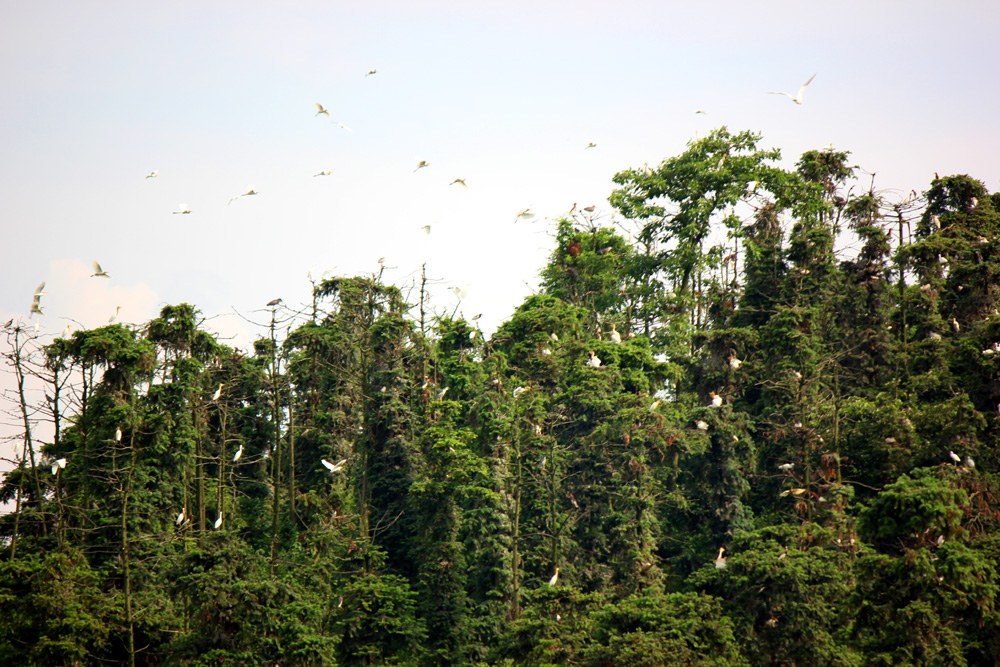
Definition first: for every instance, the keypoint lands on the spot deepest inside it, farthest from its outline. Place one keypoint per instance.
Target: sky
(219, 96)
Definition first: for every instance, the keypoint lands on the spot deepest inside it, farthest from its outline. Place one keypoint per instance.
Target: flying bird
(421, 165)
(153, 174)
(797, 98)
(370, 72)
(700, 111)
(524, 214)
(333, 467)
(249, 193)
(239, 453)
(591, 145)
(555, 578)
(182, 209)
(321, 110)
(342, 126)
(98, 271)
(58, 465)
(39, 291)
(460, 181)
(326, 172)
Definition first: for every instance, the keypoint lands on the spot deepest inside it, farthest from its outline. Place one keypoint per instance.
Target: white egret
(700, 111)
(656, 404)
(153, 174)
(590, 144)
(440, 394)
(326, 172)
(58, 465)
(321, 110)
(553, 337)
(249, 193)
(370, 72)
(98, 271)
(66, 332)
(937, 222)
(180, 517)
(218, 522)
(182, 209)
(37, 327)
(555, 578)
(426, 229)
(35, 307)
(716, 399)
(955, 325)
(114, 318)
(735, 363)
(421, 165)
(333, 467)
(934, 335)
(342, 126)
(524, 214)
(40, 291)
(594, 361)
(460, 181)
(702, 426)
(969, 463)
(614, 335)
(218, 392)
(239, 453)
(520, 390)
(799, 97)
(118, 435)
(340, 601)
(546, 352)
(786, 467)
(720, 561)
(954, 457)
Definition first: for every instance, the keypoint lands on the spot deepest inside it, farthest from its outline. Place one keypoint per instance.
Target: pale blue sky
(506, 95)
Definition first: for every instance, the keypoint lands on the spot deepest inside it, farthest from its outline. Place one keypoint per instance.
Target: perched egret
(426, 229)
(218, 522)
(58, 465)
(974, 202)
(460, 181)
(180, 517)
(594, 361)
(440, 394)
(720, 561)
(936, 221)
(218, 392)
(422, 164)
(656, 404)
(969, 463)
(182, 209)
(553, 337)
(572, 499)
(321, 110)
(541, 462)
(798, 375)
(954, 457)
(340, 601)
(799, 97)
(614, 335)
(239, 453)
(702, 426)
(555, 578)
(786, 467)
(546, 352)
(735, 363)
(114, 318)
(118, 435)
(520, 390)
(153, 174)
(934, 335)
(66, 332)
(249, 193)
(716, 399)
(956, 327)
(98, 271)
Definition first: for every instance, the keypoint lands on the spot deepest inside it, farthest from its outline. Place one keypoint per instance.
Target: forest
(752, 419)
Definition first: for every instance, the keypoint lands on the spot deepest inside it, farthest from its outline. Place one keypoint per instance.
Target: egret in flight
(325, 172)
(153, 174)
(182, 209)
(58, 465)
(524, 214)
(421, 165)
(249, 193)
(98, 271)
(321, 110)
(460, 181)
(370, 72)
(797, 98)
(333, 467)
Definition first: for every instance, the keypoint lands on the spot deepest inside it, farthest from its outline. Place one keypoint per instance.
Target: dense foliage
(761, 430)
